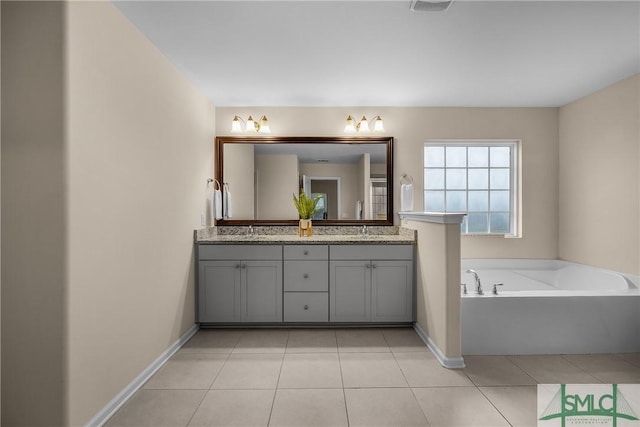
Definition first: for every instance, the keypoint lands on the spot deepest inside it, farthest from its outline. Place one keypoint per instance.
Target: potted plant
(306, 207)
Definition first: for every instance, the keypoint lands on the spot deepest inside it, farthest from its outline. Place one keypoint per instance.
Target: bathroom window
(474, 177)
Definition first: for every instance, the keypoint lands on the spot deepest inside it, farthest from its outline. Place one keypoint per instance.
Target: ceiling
(380, 53)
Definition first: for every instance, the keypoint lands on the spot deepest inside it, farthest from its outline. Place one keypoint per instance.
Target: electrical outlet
(203, 219)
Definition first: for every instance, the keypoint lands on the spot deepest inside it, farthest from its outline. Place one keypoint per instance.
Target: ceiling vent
(430, 6)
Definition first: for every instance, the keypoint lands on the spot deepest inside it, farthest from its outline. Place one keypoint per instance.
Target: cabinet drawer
(240, 252)
(306, 276)
(299, 252)
(306, 307)
(367, 252)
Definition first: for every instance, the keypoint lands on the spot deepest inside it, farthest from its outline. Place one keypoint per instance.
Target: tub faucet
(478, 284)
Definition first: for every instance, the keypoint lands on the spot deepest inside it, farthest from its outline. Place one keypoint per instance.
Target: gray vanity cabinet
(371, 283)
(306, 283)
(240, 283)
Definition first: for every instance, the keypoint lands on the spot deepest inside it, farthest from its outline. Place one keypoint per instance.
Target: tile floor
(350, 377)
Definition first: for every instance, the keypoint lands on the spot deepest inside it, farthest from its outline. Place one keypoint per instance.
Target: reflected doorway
(328, 189)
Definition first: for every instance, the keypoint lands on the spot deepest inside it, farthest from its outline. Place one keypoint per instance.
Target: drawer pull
(237, 265)
(306, 252)
(373, 266)
(243, 266)
(306, 276)
(306, 307)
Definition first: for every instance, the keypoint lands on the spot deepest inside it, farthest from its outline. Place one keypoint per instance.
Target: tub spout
(478, 284)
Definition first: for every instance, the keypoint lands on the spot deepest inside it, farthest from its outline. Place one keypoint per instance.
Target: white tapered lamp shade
(263, 125)
(378, 126)
(363, 126)
(350, 126)
(251, 125)
(236, 126)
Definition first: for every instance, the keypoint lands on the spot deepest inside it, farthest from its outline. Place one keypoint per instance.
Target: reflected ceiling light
(363, 125)
(261, 126)
(430, 5)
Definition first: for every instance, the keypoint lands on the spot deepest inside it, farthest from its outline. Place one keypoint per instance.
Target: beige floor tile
(421, 370)
(607, 368)
(458, 406)
(212, 341)
(189, 371)
(361, 341)
(296, 408)
(633, 358)
(158, 408)
(518, 404)
(404, 340)
(234, 408)
(249, 371)
(552, 369)
(309, 370)
(262, 341)
(383, 407)
(312, 341)
(371, 370)
(495, 370)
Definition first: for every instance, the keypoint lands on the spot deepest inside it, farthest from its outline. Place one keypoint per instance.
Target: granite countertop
(271, 235)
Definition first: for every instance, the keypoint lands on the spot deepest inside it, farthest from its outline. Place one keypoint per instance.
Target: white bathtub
(548, 307)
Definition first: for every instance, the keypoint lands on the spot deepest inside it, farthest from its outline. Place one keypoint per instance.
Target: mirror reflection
(349, 179)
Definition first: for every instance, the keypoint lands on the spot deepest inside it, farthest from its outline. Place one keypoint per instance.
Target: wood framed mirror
(351, 175)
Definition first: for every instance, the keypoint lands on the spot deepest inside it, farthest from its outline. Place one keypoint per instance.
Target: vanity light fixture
(260, 126)
(363, 125)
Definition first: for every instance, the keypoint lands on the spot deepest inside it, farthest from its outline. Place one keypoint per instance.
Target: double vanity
(283, 279)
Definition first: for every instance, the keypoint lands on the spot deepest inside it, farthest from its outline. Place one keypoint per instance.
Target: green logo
(565, 405)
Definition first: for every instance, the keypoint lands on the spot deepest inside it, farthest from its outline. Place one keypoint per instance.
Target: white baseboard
(121, 398)
(447, 362)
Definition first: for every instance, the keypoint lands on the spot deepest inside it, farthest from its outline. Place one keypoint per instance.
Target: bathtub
(548, 307)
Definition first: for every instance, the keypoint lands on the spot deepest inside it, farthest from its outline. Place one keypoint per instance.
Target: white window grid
(513, 183)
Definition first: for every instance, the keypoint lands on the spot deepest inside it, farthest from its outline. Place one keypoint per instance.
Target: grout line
(496, 408)
(275, 392)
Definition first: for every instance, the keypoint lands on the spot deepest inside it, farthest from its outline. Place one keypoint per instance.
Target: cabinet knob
(237, 265)
(373, 266)
(243, 266)
(368, 265)
(306, 252)
(306, 307)
(306, 276)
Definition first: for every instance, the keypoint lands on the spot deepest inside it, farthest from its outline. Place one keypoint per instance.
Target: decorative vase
(305, 228)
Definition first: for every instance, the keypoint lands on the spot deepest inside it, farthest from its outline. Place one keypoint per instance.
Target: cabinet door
(391, 291)
(261, 291)
(350, 291)
(219, 291)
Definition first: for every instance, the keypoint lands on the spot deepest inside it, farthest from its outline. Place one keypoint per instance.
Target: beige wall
(277, 182)
(238, 172)
(33, 214)
(139, 154)
(347, 175)
(599, 178)
(437, 284)
(104, 171)
(411, 126)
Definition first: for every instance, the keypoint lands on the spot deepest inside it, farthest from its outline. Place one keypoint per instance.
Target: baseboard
(121, 398)
(447, 362)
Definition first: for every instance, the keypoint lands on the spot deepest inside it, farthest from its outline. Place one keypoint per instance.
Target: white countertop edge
(436, 217)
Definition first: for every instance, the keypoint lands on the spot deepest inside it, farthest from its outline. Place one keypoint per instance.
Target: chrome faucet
(364, 231)
(250, 232)
(478, 284)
